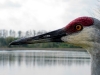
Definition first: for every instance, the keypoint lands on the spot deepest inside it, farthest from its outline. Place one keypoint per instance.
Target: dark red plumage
(83, 21)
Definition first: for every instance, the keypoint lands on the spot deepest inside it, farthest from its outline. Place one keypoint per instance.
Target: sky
(42, 14)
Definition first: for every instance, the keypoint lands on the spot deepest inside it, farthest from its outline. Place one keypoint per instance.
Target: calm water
(37, 62)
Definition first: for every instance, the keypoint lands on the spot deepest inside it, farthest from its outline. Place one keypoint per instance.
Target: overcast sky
(42, 14)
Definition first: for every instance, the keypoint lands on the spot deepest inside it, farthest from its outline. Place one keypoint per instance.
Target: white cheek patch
(86, 37)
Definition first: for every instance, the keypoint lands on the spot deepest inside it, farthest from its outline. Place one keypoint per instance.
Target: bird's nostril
(46, 36)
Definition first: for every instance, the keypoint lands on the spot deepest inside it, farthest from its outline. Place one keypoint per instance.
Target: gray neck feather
(95, 50)
(95, 64)
(95, 60)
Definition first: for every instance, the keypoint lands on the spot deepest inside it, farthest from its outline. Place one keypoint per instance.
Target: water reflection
(31, 59)
(44, 58)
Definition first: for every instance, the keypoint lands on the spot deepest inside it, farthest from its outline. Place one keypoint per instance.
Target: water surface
(42, 62)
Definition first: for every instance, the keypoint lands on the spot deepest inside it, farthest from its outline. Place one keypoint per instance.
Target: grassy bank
(55, 49)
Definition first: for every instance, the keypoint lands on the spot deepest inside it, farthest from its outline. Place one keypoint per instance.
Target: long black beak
(53, 36)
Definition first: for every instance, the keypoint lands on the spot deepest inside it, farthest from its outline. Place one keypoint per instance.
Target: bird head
(82, 31)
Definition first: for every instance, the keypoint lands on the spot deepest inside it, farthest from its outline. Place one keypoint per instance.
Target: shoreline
(55, 49)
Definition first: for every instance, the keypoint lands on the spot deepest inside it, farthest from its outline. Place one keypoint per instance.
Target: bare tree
(10, 33)
(34, 33)
(5, 33)
(27, 34)
(19, 34)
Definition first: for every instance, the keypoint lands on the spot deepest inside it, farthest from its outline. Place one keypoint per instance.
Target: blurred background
(42, 14)
(24, 18)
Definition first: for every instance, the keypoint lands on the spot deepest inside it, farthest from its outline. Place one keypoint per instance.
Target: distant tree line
(7, 36)
(11, 33)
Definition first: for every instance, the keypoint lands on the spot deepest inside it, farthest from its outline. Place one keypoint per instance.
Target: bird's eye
(79, 27)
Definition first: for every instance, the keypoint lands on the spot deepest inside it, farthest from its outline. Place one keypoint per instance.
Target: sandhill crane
(82, 31)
